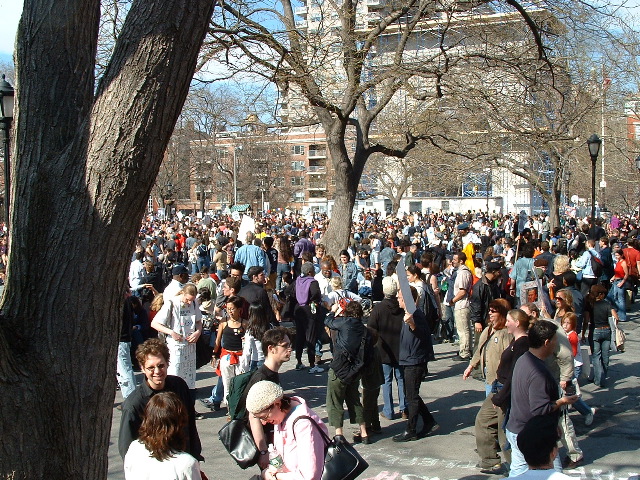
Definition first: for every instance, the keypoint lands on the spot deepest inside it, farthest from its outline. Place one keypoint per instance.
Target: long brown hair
(162, 430)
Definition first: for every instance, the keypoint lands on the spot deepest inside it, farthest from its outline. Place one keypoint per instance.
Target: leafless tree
(84, 161)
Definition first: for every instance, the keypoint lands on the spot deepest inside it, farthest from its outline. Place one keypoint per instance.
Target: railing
(316, 169)
(300, 11)
(317, 153)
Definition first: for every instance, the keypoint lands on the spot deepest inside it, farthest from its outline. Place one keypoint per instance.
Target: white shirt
(136, 274)
(550, 474)
(140, 465)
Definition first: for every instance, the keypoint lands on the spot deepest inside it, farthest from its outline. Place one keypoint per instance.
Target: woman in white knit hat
(297, 440)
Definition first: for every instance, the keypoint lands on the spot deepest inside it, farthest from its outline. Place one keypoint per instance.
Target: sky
(10, 11)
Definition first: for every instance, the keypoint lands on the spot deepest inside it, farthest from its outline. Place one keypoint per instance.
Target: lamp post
(593, 143)
(235, 174)
(638, 167)
(6, 107)
(168, 201)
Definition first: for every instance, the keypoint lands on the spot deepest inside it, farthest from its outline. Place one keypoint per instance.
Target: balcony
(317, 169)
(300, 11)
(301, 24)
(317, 186)
(317, 153)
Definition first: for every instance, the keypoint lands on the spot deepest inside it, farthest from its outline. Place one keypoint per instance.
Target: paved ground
(611, 445)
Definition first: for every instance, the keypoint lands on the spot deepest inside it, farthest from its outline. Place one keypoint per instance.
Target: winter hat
(389, 287)
(262, 395)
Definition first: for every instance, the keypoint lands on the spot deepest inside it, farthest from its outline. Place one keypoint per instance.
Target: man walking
(461, 303)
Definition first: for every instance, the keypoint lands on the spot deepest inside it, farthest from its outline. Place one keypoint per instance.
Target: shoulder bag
(238, 441)
(341, 460)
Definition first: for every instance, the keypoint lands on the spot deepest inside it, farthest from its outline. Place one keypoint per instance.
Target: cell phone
(570, 390)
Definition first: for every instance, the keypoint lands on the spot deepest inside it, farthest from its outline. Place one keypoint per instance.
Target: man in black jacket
(153, 356)
(254, 292)
(386, 321)
(415, 351)
(482, 293)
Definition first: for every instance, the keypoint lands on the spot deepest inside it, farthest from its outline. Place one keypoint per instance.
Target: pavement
(611, 445)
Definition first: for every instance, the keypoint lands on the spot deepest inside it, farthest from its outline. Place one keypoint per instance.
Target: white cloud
(10, 11)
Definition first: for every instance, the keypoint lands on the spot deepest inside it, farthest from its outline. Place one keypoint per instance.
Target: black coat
(386, 320)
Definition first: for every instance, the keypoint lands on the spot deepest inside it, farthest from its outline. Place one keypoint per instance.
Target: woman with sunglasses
(564, 304)
(298, 442)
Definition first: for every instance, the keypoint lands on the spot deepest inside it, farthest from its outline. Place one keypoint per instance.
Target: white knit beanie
(262, 395)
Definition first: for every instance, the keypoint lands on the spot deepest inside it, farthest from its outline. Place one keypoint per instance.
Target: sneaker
(199, 416)
(588, 419)
(207, 402)
(382, 414)
(497, 469)
(316, 369)
(300, 366)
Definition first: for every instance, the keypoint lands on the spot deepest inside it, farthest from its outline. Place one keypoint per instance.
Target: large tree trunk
(553, 199)
(84, 167)
(347, 178)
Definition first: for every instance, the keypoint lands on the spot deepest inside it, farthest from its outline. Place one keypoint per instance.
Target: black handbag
(341, 460)
(238, 440)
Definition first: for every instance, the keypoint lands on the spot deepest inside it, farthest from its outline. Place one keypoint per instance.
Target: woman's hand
(193, 338)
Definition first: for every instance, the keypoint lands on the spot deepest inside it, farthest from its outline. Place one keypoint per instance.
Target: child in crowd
(569, 322)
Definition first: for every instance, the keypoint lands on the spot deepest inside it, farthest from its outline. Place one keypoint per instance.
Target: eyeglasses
(264, 417)
(493, 310)
(561, 298)
(286, 346)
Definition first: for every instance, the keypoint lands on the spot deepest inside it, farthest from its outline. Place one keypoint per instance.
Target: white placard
(405, 288)
(248, 224)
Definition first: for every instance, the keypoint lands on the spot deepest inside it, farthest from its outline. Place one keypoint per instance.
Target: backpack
(236, 389)
(596, 265)
(347, 367)
(432, 295)
(342, 303)
(202, 251)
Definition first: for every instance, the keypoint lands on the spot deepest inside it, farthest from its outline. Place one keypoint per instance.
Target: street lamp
(593, 143)
(235, 174)
(168, 201)
(6, 107)
(638, 167)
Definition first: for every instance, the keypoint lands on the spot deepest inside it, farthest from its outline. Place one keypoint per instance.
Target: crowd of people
(527, 305)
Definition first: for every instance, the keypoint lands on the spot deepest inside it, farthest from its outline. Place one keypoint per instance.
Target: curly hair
(154, 347)
(162, 430)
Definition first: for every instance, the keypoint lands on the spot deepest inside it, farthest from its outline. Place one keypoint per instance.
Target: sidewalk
(610, 445)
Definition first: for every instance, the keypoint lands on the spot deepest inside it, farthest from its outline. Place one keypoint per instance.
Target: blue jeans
(387, 391)
(217, 392)
(601, 346)
(617, 296)
(518, 463)
(282, 268)
(203, 262)
(124, 370)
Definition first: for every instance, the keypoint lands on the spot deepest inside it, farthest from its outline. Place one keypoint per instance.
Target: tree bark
(84, 166)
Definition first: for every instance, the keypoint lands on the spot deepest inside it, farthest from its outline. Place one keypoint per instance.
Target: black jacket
(133, 411)
(482, 293)
(254, 293)
(415, 345)
(386, 319)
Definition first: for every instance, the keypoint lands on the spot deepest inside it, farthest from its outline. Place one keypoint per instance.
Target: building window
(297, 166)
(297, 149)
(297, 181)
(297, 197)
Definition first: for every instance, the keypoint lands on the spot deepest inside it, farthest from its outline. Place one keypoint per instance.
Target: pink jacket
(304, 455)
